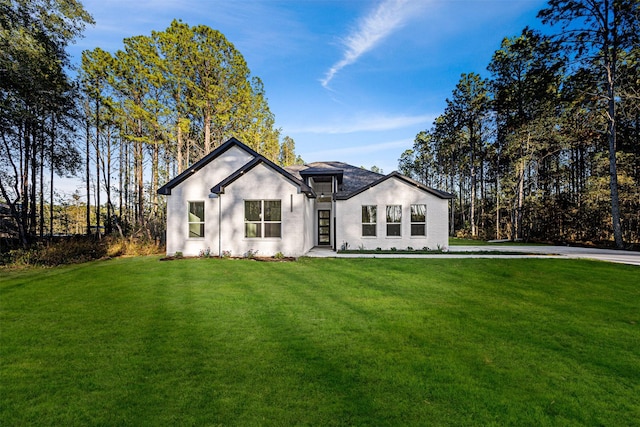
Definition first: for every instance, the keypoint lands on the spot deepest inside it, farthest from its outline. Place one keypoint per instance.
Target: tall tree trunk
(497, 204)
(138, 158)
(207, 131)
(120, 175)
(41, 166)
(34, 168)
(610, 65)
(520, 203)
(155, 178)
(473, 172)
(88, 173)
(98, 154)
(51, 154)
(179, 147)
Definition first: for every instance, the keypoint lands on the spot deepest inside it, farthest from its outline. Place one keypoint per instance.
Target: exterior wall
(197, 188)
(393, 191)
(263, 183)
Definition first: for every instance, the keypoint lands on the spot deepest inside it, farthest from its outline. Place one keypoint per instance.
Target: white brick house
(236, 200)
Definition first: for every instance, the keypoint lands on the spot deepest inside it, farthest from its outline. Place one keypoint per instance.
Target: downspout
(219, 225)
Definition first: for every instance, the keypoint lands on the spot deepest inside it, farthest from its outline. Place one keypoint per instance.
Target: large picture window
(196, 219)
(369, 220)
(418, 220)
(394, 220)
(262, 218)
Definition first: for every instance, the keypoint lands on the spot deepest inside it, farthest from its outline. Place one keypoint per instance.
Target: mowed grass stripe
(321, 342)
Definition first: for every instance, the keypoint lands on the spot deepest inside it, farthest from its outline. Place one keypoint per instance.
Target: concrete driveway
(610, 255)
(622, 257)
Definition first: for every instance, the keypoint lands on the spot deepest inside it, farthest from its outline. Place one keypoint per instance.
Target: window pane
(252, 210)
(393, 229)
(368, 229)
(196, 230)
(418, 213)
(394, 213)
(252, 229)
(196, 211)
(369, 214)
(272, 229)
(272, 210)
(418, 230)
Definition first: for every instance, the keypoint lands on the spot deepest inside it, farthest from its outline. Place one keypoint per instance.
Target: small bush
(250, 254)
(131, 246)
(73, 250)
(279, 255)
(226, 254)
(59, 252)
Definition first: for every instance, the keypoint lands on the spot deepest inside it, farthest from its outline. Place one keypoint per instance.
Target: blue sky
(348, 80)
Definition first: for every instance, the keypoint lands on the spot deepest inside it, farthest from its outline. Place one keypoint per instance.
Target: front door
(324, 227)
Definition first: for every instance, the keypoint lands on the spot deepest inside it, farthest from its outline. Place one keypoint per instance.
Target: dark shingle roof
(354, 179)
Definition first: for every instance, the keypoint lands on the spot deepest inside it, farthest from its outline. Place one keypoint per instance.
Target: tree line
(126, 122)
(548, 147)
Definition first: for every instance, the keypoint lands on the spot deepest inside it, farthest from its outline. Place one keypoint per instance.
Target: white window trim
(375, 224)
(262, 221)
(387, 223)
(189, 222)
(418, 236)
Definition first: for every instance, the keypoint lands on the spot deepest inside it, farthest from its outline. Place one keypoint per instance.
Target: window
(394, 220)
(196, 219)
(262, 218)
(369, 220)
(418, 220)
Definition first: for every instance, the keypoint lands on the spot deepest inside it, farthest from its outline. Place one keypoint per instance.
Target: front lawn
(136, 341)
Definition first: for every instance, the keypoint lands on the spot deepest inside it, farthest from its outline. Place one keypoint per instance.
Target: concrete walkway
(609, 255)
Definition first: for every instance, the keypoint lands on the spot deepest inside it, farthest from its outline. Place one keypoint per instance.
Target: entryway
(324, 227)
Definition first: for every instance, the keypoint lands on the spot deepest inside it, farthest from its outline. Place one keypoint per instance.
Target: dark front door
(324, 227)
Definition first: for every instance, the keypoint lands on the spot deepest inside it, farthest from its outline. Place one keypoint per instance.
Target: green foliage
(250, 254)
(363, 341)
(38, 112)
(546, 149)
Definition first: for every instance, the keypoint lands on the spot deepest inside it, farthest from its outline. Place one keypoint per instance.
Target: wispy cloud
(368, 123)
(360, 150)
(369, 32)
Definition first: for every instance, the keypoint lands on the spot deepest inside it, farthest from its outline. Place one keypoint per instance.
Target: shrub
(250, 254)
(279, 255)
(64, 251)
(131, 246)
(226, 254)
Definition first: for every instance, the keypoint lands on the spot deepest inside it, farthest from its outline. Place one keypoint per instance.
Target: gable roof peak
(221, 149)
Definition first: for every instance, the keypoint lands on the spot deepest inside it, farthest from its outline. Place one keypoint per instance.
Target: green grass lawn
(377, 342)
